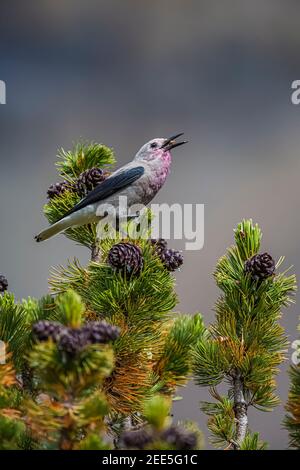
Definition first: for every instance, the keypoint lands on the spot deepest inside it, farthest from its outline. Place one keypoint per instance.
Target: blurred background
(124, 71)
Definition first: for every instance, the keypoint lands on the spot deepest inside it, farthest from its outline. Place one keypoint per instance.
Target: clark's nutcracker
(139, 181)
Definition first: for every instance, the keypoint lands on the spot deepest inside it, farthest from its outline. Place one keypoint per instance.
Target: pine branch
(12, 428)
(71, 165)
(292, 419)
(246, 344)
(174, 365)
(14, 330)
(70, 362)
(157, 431)
(83, 156)
(154, 351)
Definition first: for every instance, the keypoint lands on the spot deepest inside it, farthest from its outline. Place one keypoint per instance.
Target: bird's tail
(53, 230)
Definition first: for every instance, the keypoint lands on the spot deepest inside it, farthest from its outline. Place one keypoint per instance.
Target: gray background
(122, 72)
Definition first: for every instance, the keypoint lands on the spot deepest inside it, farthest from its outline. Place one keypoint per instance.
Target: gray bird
(139, 181)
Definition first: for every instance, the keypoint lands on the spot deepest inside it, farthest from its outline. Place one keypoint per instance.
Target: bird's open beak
(171, 142)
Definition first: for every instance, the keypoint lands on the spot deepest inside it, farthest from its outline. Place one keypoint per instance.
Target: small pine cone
(172, 259)
(89, 179)
(100, 332)
(179, 438)
(72, 341)
(58, 189)
(159, 245)
(44, 330)
(138, 439)
(260, 266)
(3, 284)
(126, 258)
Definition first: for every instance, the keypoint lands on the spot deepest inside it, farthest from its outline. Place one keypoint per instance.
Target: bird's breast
(158, 178)
(152, 181)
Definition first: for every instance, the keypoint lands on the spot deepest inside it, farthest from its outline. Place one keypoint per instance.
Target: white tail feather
(53, 230)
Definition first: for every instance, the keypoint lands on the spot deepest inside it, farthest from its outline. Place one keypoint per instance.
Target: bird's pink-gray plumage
(138, 181)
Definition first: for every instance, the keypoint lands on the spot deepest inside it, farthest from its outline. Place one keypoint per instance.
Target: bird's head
(159, 149)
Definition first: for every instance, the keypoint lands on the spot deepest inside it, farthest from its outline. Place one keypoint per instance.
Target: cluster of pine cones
(260, 267)
(171, 259)
(86, 182)
(73, 340)
(174, 436)
(127, 258)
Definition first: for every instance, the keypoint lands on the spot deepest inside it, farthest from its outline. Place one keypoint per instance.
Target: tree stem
(65, 440)
(27, 378)
(240, 409)
(95, 252)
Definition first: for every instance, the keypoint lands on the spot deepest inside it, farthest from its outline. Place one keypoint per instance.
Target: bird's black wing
(108, 187)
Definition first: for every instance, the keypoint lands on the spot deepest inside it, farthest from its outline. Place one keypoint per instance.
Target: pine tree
(54, 401)
(84, 360)
(246, 344)
(12, 428)
(69, 364)
(292, 419)
(130, 288)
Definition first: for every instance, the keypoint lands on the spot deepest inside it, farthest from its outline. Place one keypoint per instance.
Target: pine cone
(136, 439)
(44, 330)
(172, 259)
(260, 266)
(100, 332)
(72, 341)
(3, 283)
(89, 179)
(159, 245)
(58, 189)
(126, 258)
(179, 438)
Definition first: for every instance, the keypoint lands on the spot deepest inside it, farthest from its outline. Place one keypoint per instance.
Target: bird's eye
(153, 145)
